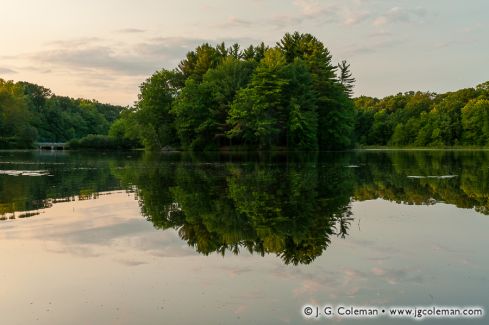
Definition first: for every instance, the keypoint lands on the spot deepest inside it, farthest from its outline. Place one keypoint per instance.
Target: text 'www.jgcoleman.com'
(418, 313)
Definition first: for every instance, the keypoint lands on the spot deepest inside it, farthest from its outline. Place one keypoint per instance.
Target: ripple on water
(433, 176)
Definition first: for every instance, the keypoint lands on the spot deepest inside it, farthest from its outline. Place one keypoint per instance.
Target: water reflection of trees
(388, 175)
(72, 176)
(292, 206)
(288, 205)
(290, 209)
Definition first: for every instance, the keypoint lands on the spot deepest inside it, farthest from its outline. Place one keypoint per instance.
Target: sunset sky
(103, 49)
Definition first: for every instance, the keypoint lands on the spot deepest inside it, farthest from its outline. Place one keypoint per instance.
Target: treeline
(30, 113)
(420, 119)
(290, 96)
(287, 96)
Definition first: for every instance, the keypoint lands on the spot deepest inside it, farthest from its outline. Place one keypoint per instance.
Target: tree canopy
(289, 96)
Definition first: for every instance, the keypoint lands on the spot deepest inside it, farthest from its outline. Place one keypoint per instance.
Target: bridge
(52, 145)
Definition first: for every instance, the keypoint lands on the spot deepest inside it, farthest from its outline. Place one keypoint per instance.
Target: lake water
(133, 238)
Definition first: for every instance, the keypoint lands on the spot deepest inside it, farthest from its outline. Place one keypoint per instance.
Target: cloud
(356, 17)
(7, 71)
(131, 31)
(281, 21)
(310, 11)
(95, 55)
(349, 14)
(308, 7)
(286, 21)
(371, 46)
(107, 69)
(96, 58)
(82, 41)
(167, 47)
(380, 34)
(315, 8)
(234, 22)
(142, 58)
(400, 15)
(130, 262)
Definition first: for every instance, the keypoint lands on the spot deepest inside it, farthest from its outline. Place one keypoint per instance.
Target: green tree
(126, 130)
(15, 129)
(302, 120)
(254, 53)
(334, 108)
(475, 121)
(381, 131)
(256, 110)
(220, 85)
(155, 101)
(192, 116)
(197, 62)
(345, 77)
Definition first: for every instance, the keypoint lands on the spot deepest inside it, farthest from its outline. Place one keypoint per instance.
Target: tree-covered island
(290, 97)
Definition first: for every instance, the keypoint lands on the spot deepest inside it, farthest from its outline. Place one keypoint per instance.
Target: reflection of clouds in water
(396, 276)
(351, 283)
(84, 251)
(437, 247)
(238, 306)
(241, 309)
(311, 281)
(353, 276)
(379, 259)
(118, 238)
(458, 255)
(101, 235)
(109, 225)
(375, 248)
(252, 295)
(161, 244)
(318, 274)
(378, 271)
(309, 287)
(233, 272)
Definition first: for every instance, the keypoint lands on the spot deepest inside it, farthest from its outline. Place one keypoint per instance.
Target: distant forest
(30, 113)
(288, 97)
(424, 119)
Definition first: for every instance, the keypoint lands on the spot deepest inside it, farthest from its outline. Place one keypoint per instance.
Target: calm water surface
(133, 238)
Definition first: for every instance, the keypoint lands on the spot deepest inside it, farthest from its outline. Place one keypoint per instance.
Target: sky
(104, 49)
